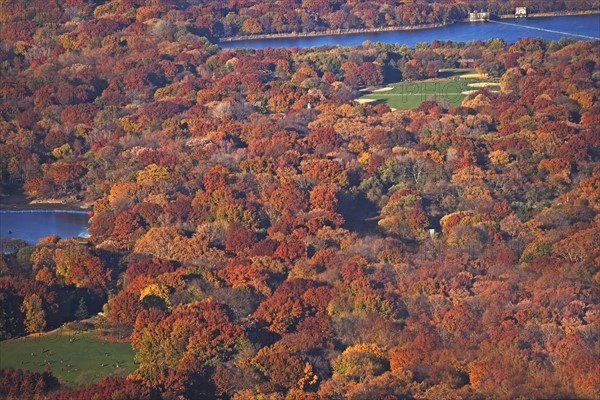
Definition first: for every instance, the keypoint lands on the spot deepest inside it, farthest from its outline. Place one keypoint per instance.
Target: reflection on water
(32, 225)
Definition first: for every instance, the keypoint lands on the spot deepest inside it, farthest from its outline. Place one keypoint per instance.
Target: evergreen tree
(82, 310)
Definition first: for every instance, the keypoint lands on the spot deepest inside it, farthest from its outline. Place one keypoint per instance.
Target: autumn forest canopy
(259, 234)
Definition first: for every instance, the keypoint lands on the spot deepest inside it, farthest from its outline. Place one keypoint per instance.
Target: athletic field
(452, 87)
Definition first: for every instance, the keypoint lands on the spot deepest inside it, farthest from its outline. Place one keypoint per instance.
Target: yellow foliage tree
(35, 317)
(361, 361)
(156, 290)
(251, 26)
(499, 157)
(585, 98)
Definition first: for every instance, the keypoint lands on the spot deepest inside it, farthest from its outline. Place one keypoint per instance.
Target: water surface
(32, 225)
(569, 26)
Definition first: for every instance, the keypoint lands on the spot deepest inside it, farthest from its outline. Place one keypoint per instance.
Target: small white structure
(479, 16)
(521, 12)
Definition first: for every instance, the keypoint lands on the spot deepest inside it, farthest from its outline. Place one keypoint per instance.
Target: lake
(575, 26)
(32, 225)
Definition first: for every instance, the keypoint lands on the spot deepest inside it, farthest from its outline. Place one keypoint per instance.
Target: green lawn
(74, 359)
(407, 95)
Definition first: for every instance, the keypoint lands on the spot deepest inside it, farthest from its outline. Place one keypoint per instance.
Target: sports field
(74, 359)
(452, 87)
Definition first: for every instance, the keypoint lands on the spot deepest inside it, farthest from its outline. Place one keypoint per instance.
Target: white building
(479, 16)
(521, 12)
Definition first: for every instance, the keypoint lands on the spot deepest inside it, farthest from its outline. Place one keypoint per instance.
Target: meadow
(74, 359)
(452, 87)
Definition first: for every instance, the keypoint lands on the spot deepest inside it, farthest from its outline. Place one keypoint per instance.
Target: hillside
(258, 234)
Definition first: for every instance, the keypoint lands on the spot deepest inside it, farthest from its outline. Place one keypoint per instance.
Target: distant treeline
(219, 19)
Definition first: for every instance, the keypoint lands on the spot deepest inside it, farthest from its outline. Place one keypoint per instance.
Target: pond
(32, 225)
(550, 28)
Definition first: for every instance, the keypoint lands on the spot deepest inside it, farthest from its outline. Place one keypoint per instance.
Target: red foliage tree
(79, 114)
(20, 384)
(124, 308)
(106, 388)
(238, 238)
(289, 197)
(291, 302)
(88, 271)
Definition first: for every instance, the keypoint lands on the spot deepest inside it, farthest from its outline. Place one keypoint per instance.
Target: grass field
(448, 87)
(73, 359)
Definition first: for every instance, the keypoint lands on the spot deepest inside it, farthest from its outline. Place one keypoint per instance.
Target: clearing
(452, 86)
(74, 359)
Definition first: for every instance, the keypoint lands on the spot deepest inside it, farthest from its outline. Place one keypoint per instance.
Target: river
(550, 28)
(32, 225)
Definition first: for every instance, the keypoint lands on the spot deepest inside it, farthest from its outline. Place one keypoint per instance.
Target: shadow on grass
(454, 72)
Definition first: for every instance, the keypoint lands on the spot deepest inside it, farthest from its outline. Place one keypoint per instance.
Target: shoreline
(332, 32)
(336, 32)
(18, 201)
